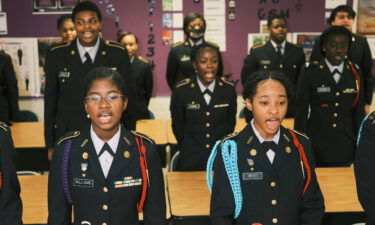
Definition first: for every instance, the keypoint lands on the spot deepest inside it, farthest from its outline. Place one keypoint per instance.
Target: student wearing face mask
(330, 100)
(179, 64)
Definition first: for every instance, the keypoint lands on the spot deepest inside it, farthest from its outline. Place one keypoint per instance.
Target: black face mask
(196, 33)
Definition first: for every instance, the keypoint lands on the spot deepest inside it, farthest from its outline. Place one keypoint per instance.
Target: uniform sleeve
(10, 201)
(302, 102)
(220, 69)
(130, 115)
(312, 205)
(366, 67)
(50, 98)
(249, 67)
(178, 115)
(364, 168)
(222, 201)
(316, 54)
(232, 111)
(172, 68)
(59, 210)
(149, 83)
(11, 89)
(154, 209)
(358, 112)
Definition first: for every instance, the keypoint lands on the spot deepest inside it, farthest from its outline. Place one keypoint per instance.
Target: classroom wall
(134, 16)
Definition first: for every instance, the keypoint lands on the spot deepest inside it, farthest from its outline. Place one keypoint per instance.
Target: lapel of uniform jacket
(73, 57)
(103, 55)
(271, 52)
(254, 149)
(197, 92)
(216, 93)
(124, 154)
(94, 166)
(285, 148)
(287, 51)
(325, 70)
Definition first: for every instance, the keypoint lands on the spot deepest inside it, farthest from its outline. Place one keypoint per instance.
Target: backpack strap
(357, 80)
(303, 160)
(64, 171)
(143, 164)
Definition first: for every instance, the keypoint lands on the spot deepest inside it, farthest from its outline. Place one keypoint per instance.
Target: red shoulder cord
(143, 164)
(303, 158)
(357, 79)
(1, 181)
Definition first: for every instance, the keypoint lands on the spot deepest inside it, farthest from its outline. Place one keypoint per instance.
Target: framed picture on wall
(53, 6)
(306, 41)
(366, 17)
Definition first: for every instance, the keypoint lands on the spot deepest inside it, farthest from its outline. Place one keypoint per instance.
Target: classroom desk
(170, 136)
(155, 129)
(189, 195)
(34, 199)
(28, 135)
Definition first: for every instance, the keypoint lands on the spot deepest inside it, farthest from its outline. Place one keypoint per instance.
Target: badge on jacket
(64, 74)
(323, 89)
(193, 106)
(77, 182)
(252, 176)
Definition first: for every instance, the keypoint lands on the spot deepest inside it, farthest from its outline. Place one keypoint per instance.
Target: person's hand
(50, 153)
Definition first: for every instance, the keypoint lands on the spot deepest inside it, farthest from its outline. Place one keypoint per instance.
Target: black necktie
(106, 148)
(278, 51)
(88, 59)
(336, 71)
(269, 145)
(207, 92)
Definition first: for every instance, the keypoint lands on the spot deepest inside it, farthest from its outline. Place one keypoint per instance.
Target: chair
(174, 162)
(27, 172)
(27, 116)
(242, 113)
(152, 115)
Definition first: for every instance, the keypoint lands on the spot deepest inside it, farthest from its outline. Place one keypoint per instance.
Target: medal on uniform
(84, 166)
(251, 163)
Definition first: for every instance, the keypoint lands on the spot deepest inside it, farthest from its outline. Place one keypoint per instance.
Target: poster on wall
(306, 41)
(3, 24)
(366, 17)
(214, 13)
(53, 6)
(24, 54)
(371, 42)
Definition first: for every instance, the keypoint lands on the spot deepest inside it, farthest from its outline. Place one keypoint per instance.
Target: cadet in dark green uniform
(330, 103)
(142, 74)
(10, 201)
(105, 172)
(359, 52)
(66, 66)
(265, 174)
(179, 64)
(276, 54)
(203, 109)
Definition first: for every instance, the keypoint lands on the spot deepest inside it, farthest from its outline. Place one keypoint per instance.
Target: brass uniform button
(273, 202)
(207, 146)
(273, 184)
(207, 113)
(104, 53)
(274, 220)
(127, 154)
(85, 155)
(104, 223)
(63, 80)
(55, 126)
(334, 125)
(105, 189)
(337, 104)
(281, 66)
(105, 207)
(288, 149)
(337, 93)
(253, 152)
(207, 124)
(207, 135)
(335, 114)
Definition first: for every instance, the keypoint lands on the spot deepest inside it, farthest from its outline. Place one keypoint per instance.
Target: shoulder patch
(177, 44)
(143, 136)
(259, 45)
(212, 43)
(114, 44)
(4, 126)
(143, 59)
(225, 80)
(69, 135)
(64, 44)
(183, 82)
(228, 137)
(300, 134)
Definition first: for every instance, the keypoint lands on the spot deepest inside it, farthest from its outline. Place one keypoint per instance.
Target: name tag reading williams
(252, 176)
(193, 106)
(83, 182)
(64, 74)
(323, 89)
(265, 62)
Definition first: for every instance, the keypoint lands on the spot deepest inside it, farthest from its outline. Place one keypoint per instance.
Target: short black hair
(62, 19)
(341, 8)
(122, 34)
(332, 31)
(274, 17)
(86, 6)
(198, 49)
(105, 73)
(251, 85)
(191, 17)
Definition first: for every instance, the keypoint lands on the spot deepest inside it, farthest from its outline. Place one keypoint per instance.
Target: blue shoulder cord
(360, 128)
(231, 167)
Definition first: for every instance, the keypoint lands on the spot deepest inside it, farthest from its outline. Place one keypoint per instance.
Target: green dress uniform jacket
(10, 201)
(64, 93)
(99, 200)
(143, 79)
(272, 193)
(179, 64)
(360, 54)
(196, 125)
(333, 121)
(364, 168)
(265, 57)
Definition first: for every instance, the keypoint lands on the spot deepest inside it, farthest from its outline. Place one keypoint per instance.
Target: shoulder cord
(231, 167)
(144, 169)
(357, 80)
(303, 159)
(64, 171)
(1, 181)
(361, 127)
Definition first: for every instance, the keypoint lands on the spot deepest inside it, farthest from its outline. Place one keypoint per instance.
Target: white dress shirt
(210, 87)
(91, 50)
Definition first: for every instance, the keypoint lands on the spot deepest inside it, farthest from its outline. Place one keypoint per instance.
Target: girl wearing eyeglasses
(106, 173)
